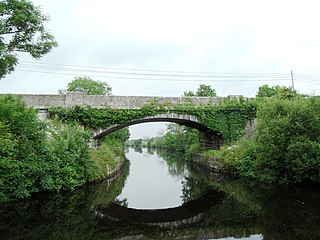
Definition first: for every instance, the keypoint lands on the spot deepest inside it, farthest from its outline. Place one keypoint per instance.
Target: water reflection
(153, 183)
(68, 215)
(252, 237)
(231, 210)
(189, 213)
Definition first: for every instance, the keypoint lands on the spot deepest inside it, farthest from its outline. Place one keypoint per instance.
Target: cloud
(203, 35)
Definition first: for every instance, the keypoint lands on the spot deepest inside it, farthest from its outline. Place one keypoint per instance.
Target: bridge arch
(182, 119)
(209, 136)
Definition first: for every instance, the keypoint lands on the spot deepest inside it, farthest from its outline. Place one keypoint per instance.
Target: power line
(303, 76)
(123, 73)
(161, 75)
(37, 64)
(157, 79)
(189, 75)
(307, 81)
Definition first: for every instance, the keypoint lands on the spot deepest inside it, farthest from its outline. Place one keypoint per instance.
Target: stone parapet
(42, 101)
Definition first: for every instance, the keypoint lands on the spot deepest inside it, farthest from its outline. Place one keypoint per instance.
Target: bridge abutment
(211, 140)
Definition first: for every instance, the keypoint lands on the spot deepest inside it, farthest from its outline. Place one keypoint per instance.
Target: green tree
(137, 142)
(189, 94)
(22, 30)
(282, 92)
(202, 91)
(88, 86)
(121, 135)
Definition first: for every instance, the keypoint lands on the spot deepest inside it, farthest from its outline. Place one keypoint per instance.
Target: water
(150, 184)
(159, 196)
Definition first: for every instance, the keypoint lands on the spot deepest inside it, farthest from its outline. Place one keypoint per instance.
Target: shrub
(288, 140)
(35, 156)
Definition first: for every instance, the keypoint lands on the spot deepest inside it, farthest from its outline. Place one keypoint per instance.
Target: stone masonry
(42, 101)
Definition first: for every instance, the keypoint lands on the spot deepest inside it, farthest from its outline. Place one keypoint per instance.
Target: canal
(160, 195)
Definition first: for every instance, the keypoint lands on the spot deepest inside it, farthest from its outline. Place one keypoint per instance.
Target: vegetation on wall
(229, 118)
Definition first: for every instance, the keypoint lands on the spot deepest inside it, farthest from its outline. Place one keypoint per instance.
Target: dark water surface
(159, 196)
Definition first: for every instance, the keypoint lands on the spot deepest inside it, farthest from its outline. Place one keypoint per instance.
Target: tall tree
(22, 30)
(282, 92)
(202, 91)
(88, 86)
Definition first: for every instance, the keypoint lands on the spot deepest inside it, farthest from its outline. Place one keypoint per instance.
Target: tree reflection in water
(241, 210)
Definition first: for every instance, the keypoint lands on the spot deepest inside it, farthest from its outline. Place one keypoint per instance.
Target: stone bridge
(210, 138)
(186, 120)
(42, 101)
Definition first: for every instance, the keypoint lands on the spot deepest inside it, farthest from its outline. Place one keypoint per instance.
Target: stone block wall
(117, 102)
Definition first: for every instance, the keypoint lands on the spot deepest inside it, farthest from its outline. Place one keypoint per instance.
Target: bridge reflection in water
(189, 213)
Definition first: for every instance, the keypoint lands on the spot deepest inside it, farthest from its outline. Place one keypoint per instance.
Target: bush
(67, 163)
(286, 148)
(241, 158)
(37, 157)
(288, 140)
(22, 142)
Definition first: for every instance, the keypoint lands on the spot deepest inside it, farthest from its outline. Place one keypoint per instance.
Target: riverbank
(50, 156)
(107, 159)
(212, 164)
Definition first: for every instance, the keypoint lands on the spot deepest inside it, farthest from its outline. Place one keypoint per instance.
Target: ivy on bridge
(228, 119)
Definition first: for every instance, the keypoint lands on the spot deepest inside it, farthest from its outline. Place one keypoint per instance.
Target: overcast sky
(224, 37)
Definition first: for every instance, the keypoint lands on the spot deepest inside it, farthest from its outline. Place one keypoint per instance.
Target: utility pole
(292, 80)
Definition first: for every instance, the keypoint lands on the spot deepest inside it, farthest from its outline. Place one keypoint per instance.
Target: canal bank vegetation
(36, 156)
(110, 154)
(285, 148)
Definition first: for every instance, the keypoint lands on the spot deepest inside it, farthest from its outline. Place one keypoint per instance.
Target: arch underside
(188, 121)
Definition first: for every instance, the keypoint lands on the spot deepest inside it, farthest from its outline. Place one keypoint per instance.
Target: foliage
(212, 153)
(106, 158)
(228, 119)
(277, 91)
(38, 157)
(88, 86)
(22, 148)
(67, 160)
(175, 137)
(286, 148)
(240, 159)
(202, 91)
(178, 138)
(121, 135)
(22, 30)
(137, 143)
(288, 141)
(67, 215)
